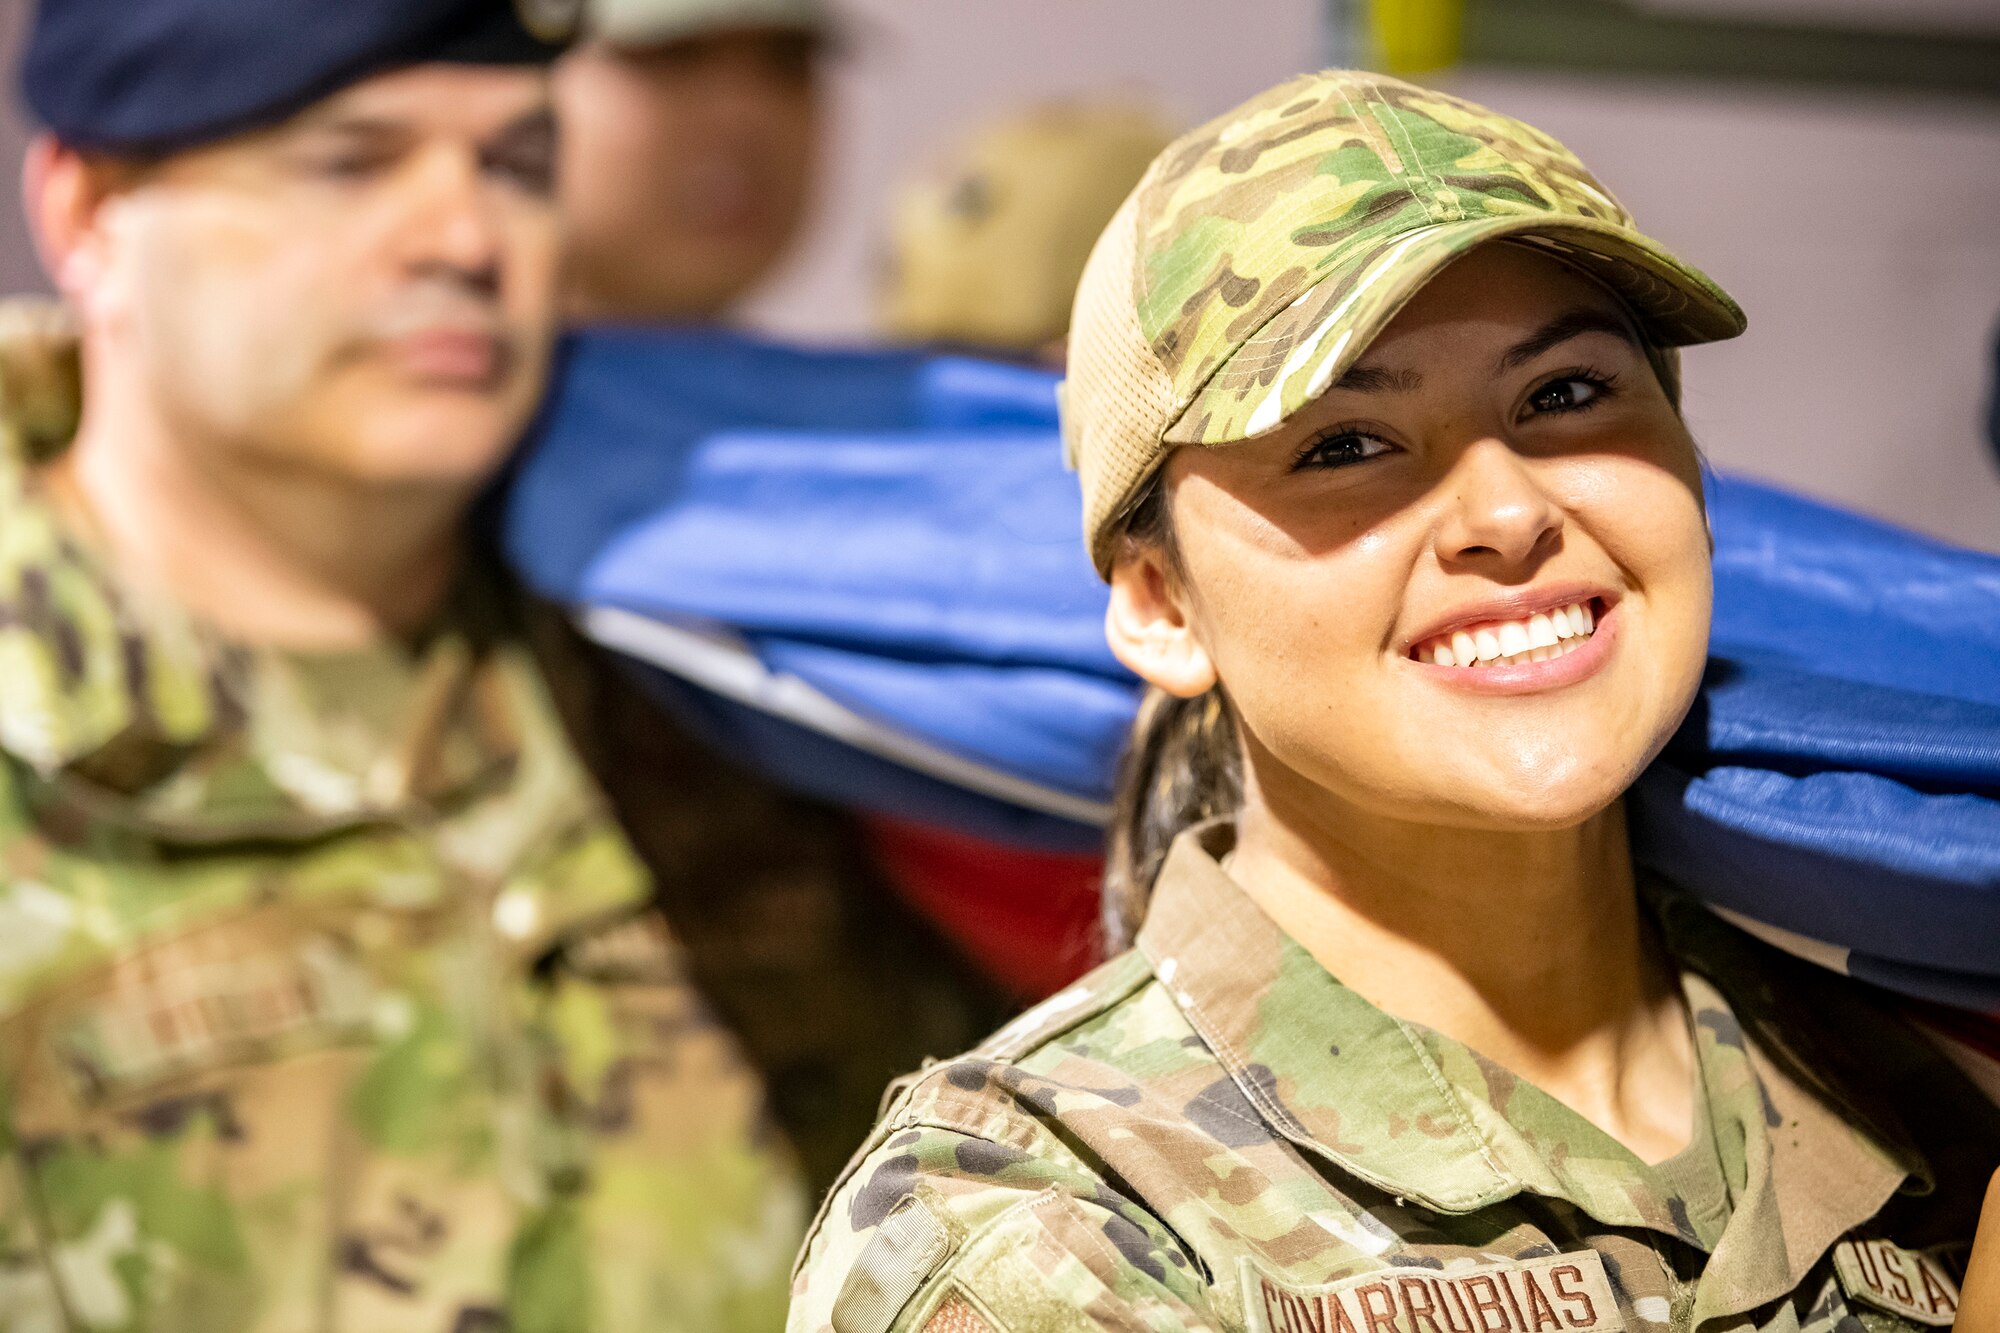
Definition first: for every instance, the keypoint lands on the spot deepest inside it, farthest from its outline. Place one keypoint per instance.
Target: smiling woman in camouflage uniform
(1403, 1044)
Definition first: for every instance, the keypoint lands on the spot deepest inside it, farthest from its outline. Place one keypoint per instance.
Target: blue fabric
(931, 579)
(927, 569)
(156, 75)
(817, 765)
(1966, 990)
(895, 530)
(1852, 859)
(1849, 597)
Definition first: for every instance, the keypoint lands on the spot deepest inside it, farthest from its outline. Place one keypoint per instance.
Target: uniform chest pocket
(167, 1015)
(259, 1110)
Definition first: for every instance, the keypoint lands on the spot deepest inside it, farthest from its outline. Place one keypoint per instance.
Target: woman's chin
(1529, 793)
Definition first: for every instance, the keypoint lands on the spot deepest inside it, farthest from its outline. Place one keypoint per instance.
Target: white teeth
(1540, 638)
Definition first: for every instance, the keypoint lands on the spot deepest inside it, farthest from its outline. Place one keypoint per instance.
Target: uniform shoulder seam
(1076, 1003)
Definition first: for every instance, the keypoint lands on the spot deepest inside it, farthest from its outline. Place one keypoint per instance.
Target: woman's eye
(1570, 394)
(1343, 449)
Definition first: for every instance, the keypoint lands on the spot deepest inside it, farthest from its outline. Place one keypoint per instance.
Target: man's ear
(1149, 627)
(62, 191)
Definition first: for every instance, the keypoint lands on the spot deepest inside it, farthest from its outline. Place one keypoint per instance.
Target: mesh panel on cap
(1118, 397)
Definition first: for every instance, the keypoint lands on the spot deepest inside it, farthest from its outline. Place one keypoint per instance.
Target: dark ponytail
(1182, 765)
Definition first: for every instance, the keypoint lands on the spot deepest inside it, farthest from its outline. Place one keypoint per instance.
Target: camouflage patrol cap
(1262, 253)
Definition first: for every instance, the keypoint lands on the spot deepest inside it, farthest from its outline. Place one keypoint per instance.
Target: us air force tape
(1558, 1293)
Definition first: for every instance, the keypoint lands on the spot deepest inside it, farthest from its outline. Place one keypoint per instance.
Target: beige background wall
(1862, 232)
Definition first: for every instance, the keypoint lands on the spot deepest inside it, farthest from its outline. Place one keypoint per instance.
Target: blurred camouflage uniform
(985, 247)
(1211, 1132)
(330, 993)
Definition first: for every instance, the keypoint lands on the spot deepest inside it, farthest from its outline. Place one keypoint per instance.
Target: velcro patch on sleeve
(898, 1259)
(1558, 1293)
(1903, 1282)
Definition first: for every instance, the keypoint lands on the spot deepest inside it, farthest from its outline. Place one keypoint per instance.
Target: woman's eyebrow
(1569, 324)
(1371, 379)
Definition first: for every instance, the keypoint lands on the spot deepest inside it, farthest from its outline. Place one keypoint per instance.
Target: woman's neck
(1529, 947)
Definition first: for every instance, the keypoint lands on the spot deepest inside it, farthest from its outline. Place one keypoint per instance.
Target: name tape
(177, 1007)
(1558, 1293)
(1910, 1283)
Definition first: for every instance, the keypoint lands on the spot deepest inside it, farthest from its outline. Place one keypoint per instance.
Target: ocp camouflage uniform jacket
(331, 997)
(1211, 1132)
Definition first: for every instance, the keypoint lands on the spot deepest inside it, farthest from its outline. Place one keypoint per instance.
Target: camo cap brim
(1265, 251)
(1291, 361)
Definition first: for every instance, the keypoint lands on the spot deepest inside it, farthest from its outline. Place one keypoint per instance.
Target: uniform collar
(1818, 1139)
(1326, 1068)
(1422, 1117)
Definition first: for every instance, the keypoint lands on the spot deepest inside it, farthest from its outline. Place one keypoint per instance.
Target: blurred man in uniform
(331, 994)
(691, 135)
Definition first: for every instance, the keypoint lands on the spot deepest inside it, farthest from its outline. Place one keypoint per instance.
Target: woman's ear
(1149, 626)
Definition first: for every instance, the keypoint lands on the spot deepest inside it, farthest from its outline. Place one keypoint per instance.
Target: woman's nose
(1497, 514)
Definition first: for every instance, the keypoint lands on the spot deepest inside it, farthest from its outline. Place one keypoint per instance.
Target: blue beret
(156, 75)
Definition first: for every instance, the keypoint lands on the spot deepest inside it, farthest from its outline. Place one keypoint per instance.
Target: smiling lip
(1584, 645)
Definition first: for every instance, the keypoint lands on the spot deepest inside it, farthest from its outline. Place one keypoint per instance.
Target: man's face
(687, 169)
(365, 292)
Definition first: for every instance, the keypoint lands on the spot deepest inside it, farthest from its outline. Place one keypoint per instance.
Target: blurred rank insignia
(211, 1000)
(551, 20)
(1911, 1283)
